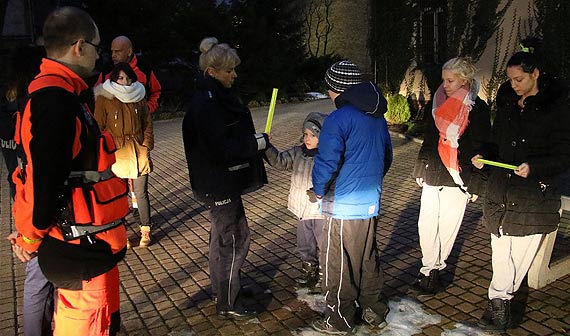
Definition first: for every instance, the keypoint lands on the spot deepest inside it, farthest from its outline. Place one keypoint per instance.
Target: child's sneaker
(145, 236)
(374, 320)
(324, 327)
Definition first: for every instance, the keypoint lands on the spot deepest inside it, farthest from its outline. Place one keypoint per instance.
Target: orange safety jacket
(69, 206)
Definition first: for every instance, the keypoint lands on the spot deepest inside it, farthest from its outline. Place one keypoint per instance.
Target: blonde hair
(463, 67)
(216, 55)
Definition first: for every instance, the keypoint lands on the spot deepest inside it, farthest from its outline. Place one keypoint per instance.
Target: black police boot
(497, 317)
(427, 285)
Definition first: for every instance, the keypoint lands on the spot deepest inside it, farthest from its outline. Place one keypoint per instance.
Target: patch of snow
(315, 301)
(406, 317)
(464, 330)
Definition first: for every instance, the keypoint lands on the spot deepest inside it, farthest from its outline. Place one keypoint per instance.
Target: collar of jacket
(133, 62)
(309, 152)
(225, 96)
(551, 89)
(73, 83)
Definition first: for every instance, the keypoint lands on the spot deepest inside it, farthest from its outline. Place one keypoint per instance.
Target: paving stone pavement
(165, 288)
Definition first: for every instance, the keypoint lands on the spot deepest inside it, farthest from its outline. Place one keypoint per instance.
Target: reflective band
(71, 232)
(30, 241)
(261, 143)
(238, 167)
(92, 175)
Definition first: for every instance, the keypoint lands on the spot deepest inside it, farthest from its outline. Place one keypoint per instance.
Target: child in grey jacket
(302, 201)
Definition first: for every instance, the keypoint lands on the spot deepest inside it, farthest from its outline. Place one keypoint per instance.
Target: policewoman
(224, 156)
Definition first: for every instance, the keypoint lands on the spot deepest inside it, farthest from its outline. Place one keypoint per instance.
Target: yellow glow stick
(271, 110)
(498, 164)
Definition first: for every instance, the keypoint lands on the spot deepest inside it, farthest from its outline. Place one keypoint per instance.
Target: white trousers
(512, 257)
(441, 212)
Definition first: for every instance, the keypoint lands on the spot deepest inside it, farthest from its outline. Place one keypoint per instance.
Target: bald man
(122, 51)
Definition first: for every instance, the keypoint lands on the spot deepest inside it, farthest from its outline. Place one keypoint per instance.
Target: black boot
(427, 285)
(497, 317)
(309, 275)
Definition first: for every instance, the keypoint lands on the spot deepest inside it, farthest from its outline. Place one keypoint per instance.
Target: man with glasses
(59, 136)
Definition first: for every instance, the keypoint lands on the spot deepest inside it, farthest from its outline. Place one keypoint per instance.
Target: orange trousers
(87, 312)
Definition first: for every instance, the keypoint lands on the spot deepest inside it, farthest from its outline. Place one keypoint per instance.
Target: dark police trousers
(229, 244)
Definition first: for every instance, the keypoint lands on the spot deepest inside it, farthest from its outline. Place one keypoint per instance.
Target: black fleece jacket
(220, 144)
(539, 134)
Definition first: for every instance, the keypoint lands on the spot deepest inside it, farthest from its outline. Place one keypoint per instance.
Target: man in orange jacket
(78, 242)
(122, 51)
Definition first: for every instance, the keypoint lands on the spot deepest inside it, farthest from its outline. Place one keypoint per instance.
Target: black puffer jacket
(429, 165)
(538, 134)
(220, 144)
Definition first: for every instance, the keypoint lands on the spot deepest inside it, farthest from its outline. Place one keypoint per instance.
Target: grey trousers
(309, 233)
(351, 270)
(140, 188)
(229, 245)
(38, 301)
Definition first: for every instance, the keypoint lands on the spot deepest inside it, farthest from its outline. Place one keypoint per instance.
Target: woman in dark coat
(532, 132)
(224, 156)
(457, 125)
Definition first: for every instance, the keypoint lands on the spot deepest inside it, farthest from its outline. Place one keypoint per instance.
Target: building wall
(485, 64)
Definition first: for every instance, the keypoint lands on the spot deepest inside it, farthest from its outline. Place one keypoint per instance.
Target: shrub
(398, 109)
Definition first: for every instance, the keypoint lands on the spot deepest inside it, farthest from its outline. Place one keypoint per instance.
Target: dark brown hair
(126, 68)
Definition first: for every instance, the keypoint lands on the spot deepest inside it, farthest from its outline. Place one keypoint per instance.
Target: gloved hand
(312, 196)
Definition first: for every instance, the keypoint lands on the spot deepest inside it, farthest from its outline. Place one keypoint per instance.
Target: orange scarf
(451, 116)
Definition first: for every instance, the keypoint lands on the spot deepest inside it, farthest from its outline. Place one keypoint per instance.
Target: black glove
(312, 196)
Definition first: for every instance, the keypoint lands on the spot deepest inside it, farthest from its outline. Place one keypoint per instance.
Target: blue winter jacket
(355, 152)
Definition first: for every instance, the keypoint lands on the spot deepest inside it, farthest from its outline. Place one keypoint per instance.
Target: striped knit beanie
(341, 75)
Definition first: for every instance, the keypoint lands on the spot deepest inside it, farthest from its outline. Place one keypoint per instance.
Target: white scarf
(125, 93)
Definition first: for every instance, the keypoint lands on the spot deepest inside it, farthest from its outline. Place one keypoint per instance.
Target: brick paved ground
(165, 288)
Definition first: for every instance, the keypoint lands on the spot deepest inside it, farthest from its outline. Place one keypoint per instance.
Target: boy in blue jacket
(355, 152)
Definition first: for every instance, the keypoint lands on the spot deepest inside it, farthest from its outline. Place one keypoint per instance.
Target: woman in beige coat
(121, 109)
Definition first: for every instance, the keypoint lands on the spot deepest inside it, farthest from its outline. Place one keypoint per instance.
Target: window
(432, 33)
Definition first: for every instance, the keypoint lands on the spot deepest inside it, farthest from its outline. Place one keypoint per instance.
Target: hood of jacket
(100, 91)
(550, 89)
(366, 97)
